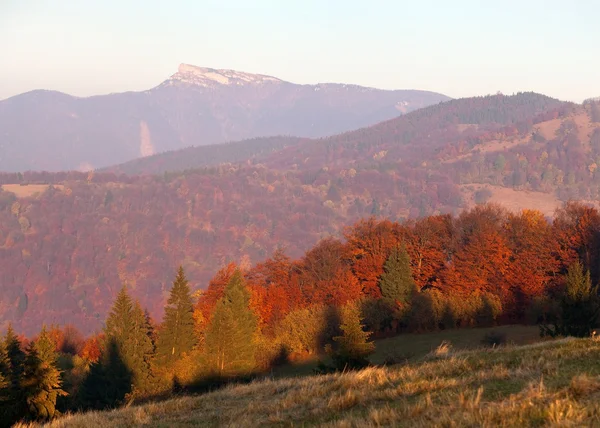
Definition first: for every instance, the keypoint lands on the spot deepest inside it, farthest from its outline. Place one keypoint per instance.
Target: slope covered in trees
(496, 268)
(67, 250)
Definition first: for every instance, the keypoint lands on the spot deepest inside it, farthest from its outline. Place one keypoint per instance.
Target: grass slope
(547, 383)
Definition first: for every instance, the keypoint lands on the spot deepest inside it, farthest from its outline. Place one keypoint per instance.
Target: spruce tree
(579, 306)
(231, 335)
(124, 366)
(140, 349)
(354, 346)
(177, 335)
(397, 283)
(41, 383)
(14, 404)
(4, 384)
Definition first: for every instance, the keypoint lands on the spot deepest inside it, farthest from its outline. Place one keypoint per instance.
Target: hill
(418, 134)
(68, 247)
(552, 383)
(47, 130)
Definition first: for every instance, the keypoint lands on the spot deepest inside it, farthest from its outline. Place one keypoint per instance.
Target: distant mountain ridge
(196, 106)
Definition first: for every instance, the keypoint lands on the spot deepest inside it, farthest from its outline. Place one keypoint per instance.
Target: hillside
(47, 130)
(552, 383)
(67, 248)
(418, 135)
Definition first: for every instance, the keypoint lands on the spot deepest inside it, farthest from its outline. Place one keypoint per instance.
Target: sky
(459, 48)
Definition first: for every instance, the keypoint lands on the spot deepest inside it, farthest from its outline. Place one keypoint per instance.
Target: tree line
(484, 267)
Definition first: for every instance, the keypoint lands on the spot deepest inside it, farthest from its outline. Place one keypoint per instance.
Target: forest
(486, 266)
(67, 249)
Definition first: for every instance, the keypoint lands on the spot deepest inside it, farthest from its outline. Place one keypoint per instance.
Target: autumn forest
(183, 271)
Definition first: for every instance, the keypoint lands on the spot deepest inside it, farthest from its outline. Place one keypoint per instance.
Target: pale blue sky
(460, 48)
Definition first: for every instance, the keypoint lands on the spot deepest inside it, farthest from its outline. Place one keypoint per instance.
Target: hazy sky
(459, 48)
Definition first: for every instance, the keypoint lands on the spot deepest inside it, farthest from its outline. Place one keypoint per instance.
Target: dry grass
(546, 384)
(514, 200)
(29, 190)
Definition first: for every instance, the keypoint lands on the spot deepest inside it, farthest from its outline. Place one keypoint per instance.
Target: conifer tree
(397, 283)
(14, 404)
(4, 383)
(41, 383)
(177, 335)
(231, 335)
(354, 346)
(579, 306)
(140, 349)
(124, 366)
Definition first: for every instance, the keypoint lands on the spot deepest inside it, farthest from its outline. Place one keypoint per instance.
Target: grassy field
(553, 383)
(28, 190)
(412, 347)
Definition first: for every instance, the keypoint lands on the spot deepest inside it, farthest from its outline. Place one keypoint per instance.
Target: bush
(378, 314)
(432, 309)
(494, 338)
(308, 330)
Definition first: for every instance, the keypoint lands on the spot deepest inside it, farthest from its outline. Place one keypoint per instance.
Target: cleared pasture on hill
(554, 383)
(29, 189)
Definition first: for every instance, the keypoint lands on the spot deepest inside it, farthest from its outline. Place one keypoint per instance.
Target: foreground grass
(550, 383)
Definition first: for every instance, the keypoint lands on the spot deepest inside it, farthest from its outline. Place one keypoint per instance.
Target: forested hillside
(68, 248)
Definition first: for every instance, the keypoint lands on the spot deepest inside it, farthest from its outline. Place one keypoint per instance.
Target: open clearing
(555, 383)
(28, 190)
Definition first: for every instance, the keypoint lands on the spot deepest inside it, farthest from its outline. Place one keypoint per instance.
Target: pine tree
(41, 383)
(354, 346)
(177, 335)
(124, 366)
(231, 335)
(579, 306)
(397, 283)
(140, 349)
(14, 404)
(4, 383)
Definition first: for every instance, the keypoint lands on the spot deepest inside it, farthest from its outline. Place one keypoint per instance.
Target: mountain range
(53, 131)
(69, 240)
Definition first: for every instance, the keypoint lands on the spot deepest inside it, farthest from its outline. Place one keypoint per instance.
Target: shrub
(308, 330)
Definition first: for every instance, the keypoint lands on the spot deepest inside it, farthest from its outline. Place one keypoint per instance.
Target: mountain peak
(207, 77)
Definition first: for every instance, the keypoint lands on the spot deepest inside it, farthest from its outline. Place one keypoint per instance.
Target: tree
(4, 383)
(124, 364)
(579, 306)
(41, 383)
(354, 346)
(397, 283)
(140, 349)
(13, 405)
(231, 336)
(177, 336)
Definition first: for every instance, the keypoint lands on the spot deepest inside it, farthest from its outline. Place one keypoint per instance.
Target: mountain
(415, 135)
(47, 130)
(69, 240)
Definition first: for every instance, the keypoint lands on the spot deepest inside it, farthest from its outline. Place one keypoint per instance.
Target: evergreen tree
(579, 306)
(41, 383)
(397, 283)
(177, 335)
(118, 323)
(354, 346)
(108, 382)
(231, 335)
(13, 400)
(124, 366)
(140, 349)
(4, 384)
